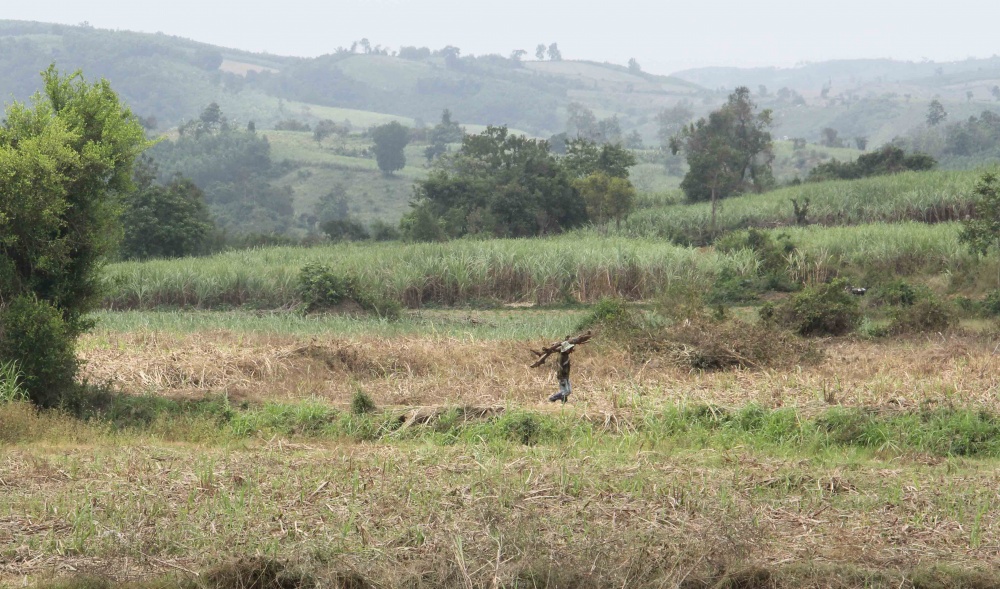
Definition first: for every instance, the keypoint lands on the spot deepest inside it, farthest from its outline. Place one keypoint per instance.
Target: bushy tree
(499, 184)
(936, 114)
(390, 140)
(65, 159)
(607, 197)
(163, 220)
(728, 153)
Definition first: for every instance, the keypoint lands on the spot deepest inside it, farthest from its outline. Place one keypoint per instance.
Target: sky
(664, 36)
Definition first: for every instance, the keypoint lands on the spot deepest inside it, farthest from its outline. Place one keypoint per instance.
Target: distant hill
(172, 79)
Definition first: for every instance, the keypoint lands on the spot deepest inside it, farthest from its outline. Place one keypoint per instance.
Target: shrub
(991, 304)
(897, 293)
(612, 314)
(927, 314)
(320, 288)
(34, 336)
(822, 309)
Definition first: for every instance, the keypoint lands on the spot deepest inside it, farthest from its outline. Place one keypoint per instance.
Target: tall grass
(579, 267)
(928, 197)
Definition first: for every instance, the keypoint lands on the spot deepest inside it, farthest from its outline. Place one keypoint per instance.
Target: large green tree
(65, 161)
(728, 153)
(390, 139)
(498, 184)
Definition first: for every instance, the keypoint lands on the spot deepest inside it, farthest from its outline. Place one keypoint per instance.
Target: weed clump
(362, 403)
(927, 314)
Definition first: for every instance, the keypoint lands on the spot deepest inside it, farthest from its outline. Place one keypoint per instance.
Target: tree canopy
(500, 184)
(729, 152)
(390, 139)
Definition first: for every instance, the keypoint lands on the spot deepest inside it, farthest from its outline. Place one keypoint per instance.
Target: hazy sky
(663, 36)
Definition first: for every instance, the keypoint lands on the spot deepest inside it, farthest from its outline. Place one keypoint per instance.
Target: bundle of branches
(547, 351)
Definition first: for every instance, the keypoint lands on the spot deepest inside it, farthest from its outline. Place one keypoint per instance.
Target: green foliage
(584, 158)
(928, 314)
(344, 230)
(36, 338)
(607, 197)
(362, 403)
(498, 184)
(897, 293)
(320, 288)
(888, 160)
(614, 316)
(729, 152)
(163, 221)
(821, 309)
(390, 139)
(63, 161)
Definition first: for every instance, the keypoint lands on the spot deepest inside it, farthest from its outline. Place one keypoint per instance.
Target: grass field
(229, 455)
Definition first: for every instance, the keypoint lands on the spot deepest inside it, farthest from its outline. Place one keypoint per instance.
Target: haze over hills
(172, 79)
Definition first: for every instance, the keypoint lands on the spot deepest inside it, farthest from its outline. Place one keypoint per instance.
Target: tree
(671, 120)
(633, 66)
(445, 132)
(390, 139)
(981, 232)
(861, 142)
(163, 221)
(499, 184)
(540, 51)
(584, 157)
(607, 197)
(728, 153)
(936, 113)
(517, 55)
(554, 53)
(65, 160)
(831, 138)
(995, 91)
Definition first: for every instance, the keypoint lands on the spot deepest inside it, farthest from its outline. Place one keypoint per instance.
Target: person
(562, 371)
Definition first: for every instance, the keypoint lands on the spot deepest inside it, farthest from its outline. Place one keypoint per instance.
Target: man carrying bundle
(565, 348)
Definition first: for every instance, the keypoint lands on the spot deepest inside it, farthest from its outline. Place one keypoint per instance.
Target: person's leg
(565, 389)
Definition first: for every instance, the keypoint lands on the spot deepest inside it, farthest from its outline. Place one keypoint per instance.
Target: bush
(612, 314)
(823, 309)
(927, 314)
(35, 337)
(319, 288)
(897, 293)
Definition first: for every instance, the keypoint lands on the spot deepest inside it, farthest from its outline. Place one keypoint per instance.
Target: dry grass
(611, 509)
(427, 370)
